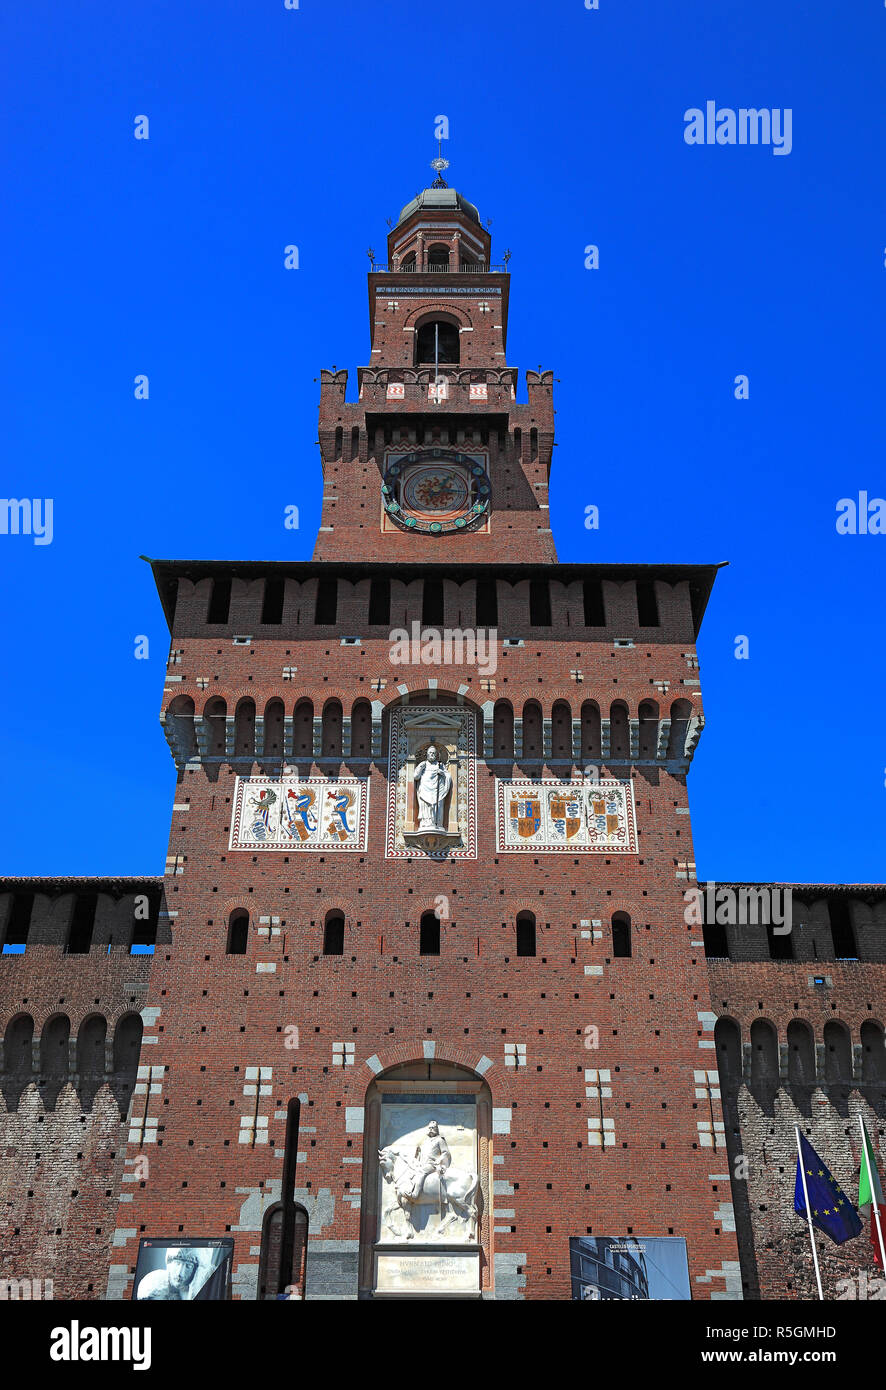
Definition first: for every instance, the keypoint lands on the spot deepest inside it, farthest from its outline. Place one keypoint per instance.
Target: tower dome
(439, 200)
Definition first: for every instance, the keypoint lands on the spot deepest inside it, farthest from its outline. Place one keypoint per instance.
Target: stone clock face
(436, 491)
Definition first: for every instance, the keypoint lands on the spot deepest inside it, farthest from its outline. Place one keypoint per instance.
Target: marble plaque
(427, 1271)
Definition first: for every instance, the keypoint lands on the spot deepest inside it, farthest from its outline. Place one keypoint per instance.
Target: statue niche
(432, 782)
(431, 786)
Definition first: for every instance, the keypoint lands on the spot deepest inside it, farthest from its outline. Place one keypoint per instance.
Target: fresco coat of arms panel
(571, 817)
(289, 813)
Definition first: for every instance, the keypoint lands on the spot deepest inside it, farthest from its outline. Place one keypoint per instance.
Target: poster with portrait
(183, 1270)
(629, 1268)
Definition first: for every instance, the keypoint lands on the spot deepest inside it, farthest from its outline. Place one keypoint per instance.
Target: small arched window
(429, 935)
(438, 256)
(621, 934)
(525, 933)
(238, 933)
(334, 934)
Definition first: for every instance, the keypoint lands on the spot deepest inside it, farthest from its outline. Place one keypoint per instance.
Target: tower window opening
(539, 603)
(19, 923)
(487, 603)
(429, 935)
(842, 932)
(272, 602)
(238, 933)
(326, 607)
(437, 341)
(647, 604)
(432, 610)
(379, 602)
(621, 934)
(82, 924)
(780, 944)
(595, 611)
(219, 601)
(334, 934)
(525, 934)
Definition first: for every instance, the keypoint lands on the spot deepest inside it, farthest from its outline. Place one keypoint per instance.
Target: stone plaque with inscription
(424, 1271)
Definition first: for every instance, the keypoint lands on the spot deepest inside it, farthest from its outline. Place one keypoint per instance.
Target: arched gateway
(425, 1229)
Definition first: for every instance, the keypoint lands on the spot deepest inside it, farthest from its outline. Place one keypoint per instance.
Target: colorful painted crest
(571, 817)
(338, 804)
(264, 817)
(525, 816)
(565, 813)
(292, 813)
(297, 820)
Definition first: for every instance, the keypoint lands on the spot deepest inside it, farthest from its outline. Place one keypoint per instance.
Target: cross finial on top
(439, 164)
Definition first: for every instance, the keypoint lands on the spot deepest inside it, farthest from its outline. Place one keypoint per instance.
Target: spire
(439, 164)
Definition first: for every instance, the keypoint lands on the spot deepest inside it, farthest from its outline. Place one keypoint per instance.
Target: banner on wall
(633, 1269)
(181, 1270)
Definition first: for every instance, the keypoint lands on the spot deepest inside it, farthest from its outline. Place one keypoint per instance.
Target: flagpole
(873, 1186)
(808, 1212)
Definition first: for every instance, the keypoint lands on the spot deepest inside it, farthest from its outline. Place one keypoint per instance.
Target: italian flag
(870, 1193)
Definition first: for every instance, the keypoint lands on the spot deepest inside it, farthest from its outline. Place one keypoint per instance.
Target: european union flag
(832, 1211)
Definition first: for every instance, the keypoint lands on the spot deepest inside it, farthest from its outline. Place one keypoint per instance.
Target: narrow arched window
(429, 935)
(525, 933)
(621, 934)
(238, 933)
(334, 934)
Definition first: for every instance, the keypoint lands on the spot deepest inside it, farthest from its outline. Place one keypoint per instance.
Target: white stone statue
(432, 785)
(428, 1178)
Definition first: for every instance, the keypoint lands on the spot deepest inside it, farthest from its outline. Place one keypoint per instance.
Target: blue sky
(271, 126)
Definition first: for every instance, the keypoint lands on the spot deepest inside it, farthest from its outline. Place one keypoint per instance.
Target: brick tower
(425, 1004)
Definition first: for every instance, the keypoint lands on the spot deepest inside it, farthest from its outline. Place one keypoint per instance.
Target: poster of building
(629, 1268)
(185, 1270)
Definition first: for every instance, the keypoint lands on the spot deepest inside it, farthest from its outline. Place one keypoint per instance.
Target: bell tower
(437, 461)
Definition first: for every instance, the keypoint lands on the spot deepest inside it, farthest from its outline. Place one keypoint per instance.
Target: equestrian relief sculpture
(427, 1177)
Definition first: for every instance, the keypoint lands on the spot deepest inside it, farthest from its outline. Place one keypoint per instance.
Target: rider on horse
(433, 1157)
